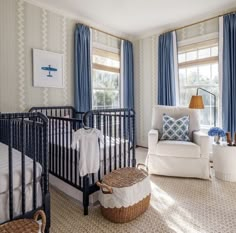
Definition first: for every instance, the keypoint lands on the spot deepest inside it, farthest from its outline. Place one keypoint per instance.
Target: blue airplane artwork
(49, 69)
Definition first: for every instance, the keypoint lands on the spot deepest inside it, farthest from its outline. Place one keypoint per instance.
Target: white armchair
(178, 158)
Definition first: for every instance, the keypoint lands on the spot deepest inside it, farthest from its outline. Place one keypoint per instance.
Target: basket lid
(22, 225)
(124, 177)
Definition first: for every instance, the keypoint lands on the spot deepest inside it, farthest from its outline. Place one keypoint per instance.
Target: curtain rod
(109, 34)
(202, 21)
(189, 25)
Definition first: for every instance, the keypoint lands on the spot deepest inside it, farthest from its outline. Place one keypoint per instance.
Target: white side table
(224, 160)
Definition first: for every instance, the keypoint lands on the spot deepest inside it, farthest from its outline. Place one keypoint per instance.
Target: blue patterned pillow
(175, 129)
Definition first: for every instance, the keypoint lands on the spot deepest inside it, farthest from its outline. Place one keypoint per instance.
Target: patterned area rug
(177, 205)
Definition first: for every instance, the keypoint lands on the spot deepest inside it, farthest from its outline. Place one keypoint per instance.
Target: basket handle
(108, 189)
(43, 217)
(139, 165)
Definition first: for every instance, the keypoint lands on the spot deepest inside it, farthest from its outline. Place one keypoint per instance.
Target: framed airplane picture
(47, 69)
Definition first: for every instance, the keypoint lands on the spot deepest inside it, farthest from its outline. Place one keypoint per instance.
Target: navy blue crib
(117, 151)
(24, 151)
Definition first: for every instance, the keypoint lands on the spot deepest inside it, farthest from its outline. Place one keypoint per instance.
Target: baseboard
(71, 191)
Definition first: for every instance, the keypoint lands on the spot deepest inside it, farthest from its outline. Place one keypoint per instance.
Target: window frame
(196, 46)
(112, 53)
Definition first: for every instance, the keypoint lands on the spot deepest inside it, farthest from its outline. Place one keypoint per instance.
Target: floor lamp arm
(199, 88)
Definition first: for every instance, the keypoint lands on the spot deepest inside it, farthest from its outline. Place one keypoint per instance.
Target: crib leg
(134, 162)
(47, 212)
(86, 194)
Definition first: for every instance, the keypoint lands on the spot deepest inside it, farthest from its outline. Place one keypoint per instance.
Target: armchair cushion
(175, 129)
(175, 112)
(178, 149)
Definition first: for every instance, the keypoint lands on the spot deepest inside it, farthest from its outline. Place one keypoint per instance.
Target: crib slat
(115, 148)
(42, 151)
(128, 138)
(124, 136)
(92, 125)
(60, 145)
(110, 133)
(11, 204)
(67, 150)
(45, 156)
(120, 140)
(64, 123)
(50, 147)
(34, 164)
(71, 157)
(99, 127)
(104, 150)
(23, 164)
(52, 143)
(57, 147)
(75, 166)
(134, 143)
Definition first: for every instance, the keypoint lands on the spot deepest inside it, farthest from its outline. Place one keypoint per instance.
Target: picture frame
(48, 69)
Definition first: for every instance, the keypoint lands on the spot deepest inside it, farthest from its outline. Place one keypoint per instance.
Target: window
(106, 79)
(198, 67)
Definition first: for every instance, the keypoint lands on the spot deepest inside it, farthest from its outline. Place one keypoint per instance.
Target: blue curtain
(83, 92)
(166, 70)
(229, 73)
(128, 74)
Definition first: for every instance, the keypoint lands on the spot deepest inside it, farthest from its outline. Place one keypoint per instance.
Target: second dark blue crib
(117, 151)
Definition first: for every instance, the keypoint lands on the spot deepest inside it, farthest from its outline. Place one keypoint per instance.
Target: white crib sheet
(16, 167)
(17, 201)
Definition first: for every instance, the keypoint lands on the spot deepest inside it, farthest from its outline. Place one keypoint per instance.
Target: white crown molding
(134, 37)
(79, 19)
(162, 29)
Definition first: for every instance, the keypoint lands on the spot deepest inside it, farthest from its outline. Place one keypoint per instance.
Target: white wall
(145, 72)
(23, 27)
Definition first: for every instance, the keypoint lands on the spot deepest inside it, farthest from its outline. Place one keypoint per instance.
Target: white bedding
(17, 183)
(16, 167)
(111, 144)
(58, 140)
(17, 201)
(117, 147)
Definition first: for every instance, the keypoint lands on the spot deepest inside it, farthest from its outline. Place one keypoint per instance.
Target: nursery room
(117, 116)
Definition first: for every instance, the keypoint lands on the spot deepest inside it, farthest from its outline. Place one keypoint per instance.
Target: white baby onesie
(86, 142)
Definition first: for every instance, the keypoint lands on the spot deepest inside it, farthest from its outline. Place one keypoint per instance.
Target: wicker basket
(25, 225)
(121, 178)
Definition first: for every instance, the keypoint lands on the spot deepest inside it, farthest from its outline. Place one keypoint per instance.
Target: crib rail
(28, 134)
(58, 111)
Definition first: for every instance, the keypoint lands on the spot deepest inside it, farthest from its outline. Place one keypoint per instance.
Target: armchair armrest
(152, 141)
(203, 140)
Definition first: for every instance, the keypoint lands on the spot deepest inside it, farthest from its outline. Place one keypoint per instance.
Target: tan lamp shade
(196, 102)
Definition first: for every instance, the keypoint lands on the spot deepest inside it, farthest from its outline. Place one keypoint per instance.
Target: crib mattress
(17, 201)
(16, 167)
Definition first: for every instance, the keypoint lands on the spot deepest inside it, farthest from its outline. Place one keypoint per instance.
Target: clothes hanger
(86, 127)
